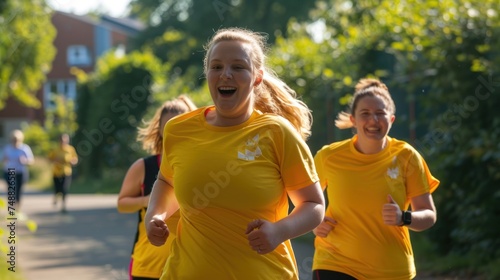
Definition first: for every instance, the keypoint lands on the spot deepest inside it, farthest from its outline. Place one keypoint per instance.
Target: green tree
(178, 29)
(111, 103)
(26, 50)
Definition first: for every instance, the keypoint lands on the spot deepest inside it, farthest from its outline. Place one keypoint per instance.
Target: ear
(393, 118)
(259, 78)
(353, 120)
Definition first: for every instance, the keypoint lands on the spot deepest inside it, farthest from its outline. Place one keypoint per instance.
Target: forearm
(132, 204)
(304, 218)
(422, 219)
(161, 201)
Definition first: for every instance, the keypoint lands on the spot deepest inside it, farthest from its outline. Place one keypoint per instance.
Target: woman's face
(231, 79)
(372, 118)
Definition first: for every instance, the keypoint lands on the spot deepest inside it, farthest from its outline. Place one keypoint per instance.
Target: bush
(40, 174)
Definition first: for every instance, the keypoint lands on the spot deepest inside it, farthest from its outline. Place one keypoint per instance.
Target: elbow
(319, 210)
(122, 208)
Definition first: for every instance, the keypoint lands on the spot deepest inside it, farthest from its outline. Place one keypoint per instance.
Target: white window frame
(79, 55)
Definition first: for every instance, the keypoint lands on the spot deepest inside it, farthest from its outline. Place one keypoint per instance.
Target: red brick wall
(70, 31)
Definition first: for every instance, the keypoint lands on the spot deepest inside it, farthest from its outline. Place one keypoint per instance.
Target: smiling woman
(225, 168)
(376, 178)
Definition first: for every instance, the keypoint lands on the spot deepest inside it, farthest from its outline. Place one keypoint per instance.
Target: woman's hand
(325, 227)
(263, 236)
(157, 230)
(391, 213)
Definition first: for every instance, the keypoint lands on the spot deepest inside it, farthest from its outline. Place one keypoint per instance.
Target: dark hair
(365, 87)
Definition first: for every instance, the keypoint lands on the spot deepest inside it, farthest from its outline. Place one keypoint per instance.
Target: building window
(66, 88)
(79, 55)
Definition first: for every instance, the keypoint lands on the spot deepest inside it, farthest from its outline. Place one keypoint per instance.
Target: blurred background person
(147, 261)
(16, 157)
(63, 158)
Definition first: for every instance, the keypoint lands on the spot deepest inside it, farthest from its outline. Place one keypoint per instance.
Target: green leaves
(26, 50)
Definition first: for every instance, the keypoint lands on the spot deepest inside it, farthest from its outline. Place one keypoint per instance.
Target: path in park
(91, 242)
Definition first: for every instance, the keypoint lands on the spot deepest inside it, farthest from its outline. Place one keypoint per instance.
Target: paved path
(91, 242)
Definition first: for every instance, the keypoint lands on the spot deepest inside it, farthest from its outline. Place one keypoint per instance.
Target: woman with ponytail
(371, 180)
(230, 169)
(147, 261)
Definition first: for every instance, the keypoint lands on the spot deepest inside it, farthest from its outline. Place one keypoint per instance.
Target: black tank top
(152, 167)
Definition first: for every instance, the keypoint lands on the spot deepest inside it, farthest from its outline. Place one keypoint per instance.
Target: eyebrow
(234, 60)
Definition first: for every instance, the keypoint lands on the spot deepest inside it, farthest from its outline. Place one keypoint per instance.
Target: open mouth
(227, 90)
(373, 130)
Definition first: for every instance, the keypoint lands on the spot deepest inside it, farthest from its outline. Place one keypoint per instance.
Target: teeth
(372, 129)
(227, 88)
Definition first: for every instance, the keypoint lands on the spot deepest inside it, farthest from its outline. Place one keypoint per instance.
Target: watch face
(407, 217)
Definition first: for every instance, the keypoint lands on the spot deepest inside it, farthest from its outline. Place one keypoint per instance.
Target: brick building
(80, 41)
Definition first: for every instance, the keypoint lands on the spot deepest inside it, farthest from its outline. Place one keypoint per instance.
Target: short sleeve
(297, 163)
(165, 168)
(419, 179)
(28, 152)
(319, 163)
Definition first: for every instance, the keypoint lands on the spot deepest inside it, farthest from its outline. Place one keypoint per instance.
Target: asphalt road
(90, 242)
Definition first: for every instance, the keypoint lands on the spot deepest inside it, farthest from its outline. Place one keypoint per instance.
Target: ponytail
(276, 97)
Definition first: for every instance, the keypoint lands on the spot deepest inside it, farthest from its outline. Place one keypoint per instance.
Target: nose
(226, 74)
(374, 117)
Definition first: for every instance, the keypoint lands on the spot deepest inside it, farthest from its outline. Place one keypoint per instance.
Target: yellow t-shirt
(225, 177)
(361, 244)
(61, 158)
(147, 260)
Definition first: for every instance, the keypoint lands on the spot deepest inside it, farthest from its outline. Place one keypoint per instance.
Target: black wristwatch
(406, 217)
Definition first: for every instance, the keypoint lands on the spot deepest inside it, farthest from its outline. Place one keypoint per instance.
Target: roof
(130, 26)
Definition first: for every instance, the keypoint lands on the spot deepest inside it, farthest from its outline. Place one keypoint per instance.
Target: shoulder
(137, 166)
(403, 147)
(26, 148)
(187, 116)
(186, 120)
(335, 147)
(274, 122)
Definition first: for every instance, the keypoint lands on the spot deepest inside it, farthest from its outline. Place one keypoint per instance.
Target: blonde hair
(272, 95)
(17, 135)
(365, 87)
(150, 134)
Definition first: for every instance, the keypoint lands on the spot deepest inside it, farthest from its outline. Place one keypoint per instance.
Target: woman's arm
(423, 215)
(162, 204)
(308, 213)
(29, 159)
(130, 198)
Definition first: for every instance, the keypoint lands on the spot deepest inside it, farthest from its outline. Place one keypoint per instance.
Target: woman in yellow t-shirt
(371, 180)
(147, 261)
(63, 157)
(230, 169)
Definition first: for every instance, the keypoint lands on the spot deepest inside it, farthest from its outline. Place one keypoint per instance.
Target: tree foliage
(26, 50)
(111, 104)
(178, 29)
(59, 119)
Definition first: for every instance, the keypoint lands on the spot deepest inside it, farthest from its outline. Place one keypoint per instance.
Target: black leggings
(15, 183)
(143, 278)
(331, 275)
(61, 185)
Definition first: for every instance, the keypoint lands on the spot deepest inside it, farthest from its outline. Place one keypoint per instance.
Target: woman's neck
(216, 119)
(370, 147)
